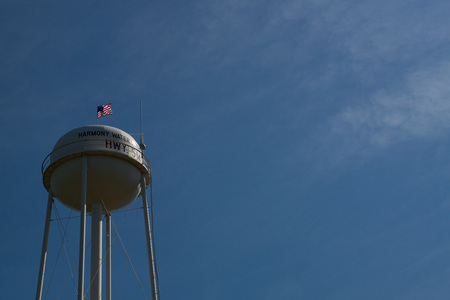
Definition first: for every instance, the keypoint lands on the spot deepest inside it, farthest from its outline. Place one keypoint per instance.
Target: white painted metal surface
(97, 169)
(108, 257)
(149, 236)
(115, 166)
(96, 252)
(44, 246)
(82, 252)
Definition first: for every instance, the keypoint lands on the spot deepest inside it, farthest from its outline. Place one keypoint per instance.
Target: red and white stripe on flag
(104, 110)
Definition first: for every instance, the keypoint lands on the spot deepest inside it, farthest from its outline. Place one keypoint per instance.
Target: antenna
(141, 143)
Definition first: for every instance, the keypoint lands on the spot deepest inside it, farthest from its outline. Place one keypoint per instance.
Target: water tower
(96, 169)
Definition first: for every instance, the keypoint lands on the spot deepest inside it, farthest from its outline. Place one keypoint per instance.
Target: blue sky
(299, 148)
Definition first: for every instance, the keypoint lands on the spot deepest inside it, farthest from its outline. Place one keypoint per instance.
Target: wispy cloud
(420, 108)
(390, 52)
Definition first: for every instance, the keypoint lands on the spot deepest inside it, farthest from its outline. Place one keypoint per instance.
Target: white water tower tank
(115, 166)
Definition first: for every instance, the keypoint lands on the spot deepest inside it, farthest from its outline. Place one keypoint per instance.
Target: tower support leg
(148, 233)
(44, 246)
(96, 251)
(82, 228)
(108, 256)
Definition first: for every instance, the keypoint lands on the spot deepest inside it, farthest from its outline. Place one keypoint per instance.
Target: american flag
(104, 110)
